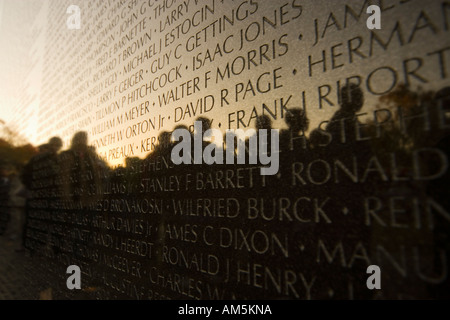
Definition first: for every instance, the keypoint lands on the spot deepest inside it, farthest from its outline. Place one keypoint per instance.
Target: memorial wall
(360, 155)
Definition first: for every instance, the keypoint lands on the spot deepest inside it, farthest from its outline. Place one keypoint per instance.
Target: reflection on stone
(201, 231)
(362, 180)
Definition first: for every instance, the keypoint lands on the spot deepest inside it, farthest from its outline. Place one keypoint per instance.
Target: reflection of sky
(14, 63)
(19, 82)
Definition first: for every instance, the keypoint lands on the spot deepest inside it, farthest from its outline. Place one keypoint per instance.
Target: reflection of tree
(15, 156)
(10, 135)
(407, 125)
(15, 152)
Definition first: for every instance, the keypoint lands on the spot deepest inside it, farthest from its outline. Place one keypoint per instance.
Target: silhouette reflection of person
(342, 124)
(17, 198)
(45, 161)
(79, 167)
(4, 196)
(263, 124)
(298, 124)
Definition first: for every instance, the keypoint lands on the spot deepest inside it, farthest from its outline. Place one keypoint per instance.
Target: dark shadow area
(365, 187)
